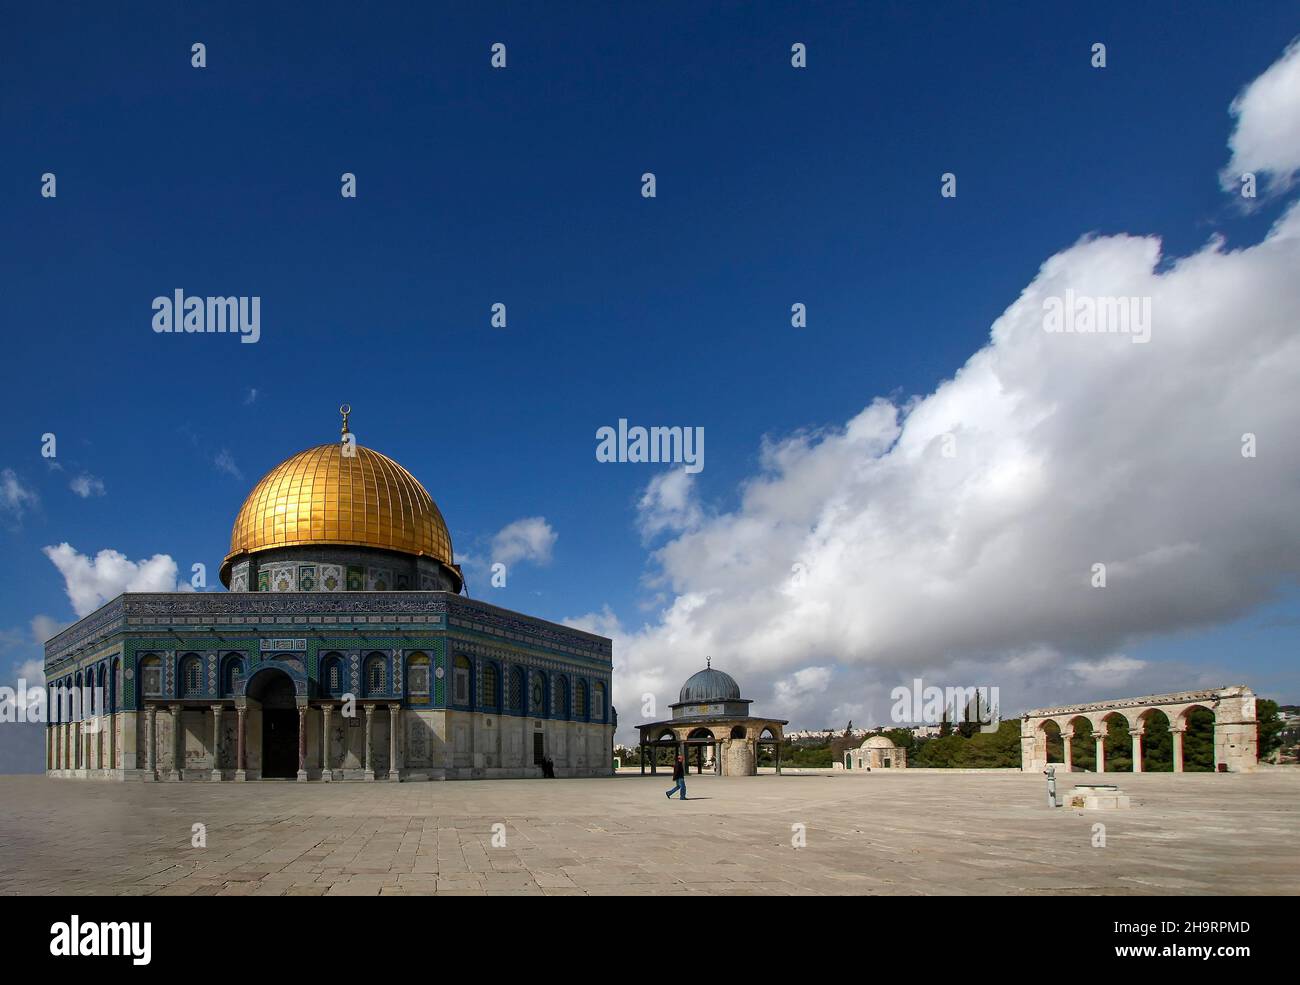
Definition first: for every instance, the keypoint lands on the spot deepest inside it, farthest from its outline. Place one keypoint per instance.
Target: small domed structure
(877, 752)
(711, 717)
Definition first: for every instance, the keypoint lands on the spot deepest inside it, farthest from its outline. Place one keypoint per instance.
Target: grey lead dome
(709, 685)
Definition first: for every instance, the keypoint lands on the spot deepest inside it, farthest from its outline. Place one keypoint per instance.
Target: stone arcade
(343, 650)
(1235, 727)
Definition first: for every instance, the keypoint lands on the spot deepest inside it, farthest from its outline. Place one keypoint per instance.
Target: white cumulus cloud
(1267, 134)
(90, 582)
(956, 533)
(527, 539)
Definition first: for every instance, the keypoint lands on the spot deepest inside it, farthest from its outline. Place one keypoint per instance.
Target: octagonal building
(342, 649)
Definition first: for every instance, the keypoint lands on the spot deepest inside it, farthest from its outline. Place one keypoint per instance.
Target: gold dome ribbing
(321, 496)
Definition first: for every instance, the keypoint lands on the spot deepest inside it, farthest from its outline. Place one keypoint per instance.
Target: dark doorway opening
(279, 743)
(275, 691)
(538, 754)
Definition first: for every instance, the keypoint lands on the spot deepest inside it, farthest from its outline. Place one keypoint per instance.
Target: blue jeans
(680, 785)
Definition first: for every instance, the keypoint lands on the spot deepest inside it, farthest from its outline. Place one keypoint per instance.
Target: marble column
(1067, 749)
(394, 733)
(302, 743)
(1136, 735)
(241, 766)
(370, 766)
(1177, 734)
(1101, 752)
(112, 741)
(326, 773)
(216, 741)
(151, 742)
(178, 744)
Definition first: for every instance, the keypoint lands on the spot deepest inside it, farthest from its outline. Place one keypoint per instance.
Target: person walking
(679, 778)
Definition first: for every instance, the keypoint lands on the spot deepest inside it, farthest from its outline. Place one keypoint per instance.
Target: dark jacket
(679, 770)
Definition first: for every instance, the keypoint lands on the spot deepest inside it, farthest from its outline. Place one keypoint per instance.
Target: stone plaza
(884, 832)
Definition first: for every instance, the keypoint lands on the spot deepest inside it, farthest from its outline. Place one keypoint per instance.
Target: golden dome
(321, 496)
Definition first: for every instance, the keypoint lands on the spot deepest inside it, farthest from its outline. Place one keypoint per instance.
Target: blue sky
(522, 186)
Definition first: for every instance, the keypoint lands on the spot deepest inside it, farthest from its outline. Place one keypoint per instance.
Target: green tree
(1198, 742)
(1270, 727)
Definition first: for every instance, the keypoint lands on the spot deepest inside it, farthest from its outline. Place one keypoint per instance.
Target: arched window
(516, 699)
(598, 702)
(376, 674)
(580, 702)
(151, 676)
(537, 694)
(191, 676)
(115, 683)
(232, 672)
(490, 679)
(332, 678)
(460, 680)
(560, 706)
(417, 675)
(738, 732)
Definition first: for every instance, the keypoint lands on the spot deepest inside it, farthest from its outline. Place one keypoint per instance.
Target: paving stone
(886, 832)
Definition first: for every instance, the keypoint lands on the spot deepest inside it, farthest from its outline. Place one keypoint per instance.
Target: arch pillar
(241, 716)
(1136, 736)
(1101, 750)
(151, 743)
(1176, 733)
(1067, 748)
(216, 743)
(370, 765)
(178, 744)
(326, 773)
(394, 728)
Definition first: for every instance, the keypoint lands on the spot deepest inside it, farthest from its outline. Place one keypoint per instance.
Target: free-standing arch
(1235, 728)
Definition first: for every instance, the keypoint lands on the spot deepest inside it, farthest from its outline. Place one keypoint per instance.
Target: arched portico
(1233, 708)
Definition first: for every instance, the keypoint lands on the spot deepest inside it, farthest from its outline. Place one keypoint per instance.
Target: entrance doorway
(274, 690)
(279, 743)
(538, 753)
